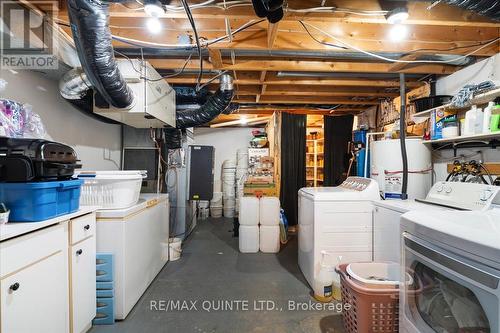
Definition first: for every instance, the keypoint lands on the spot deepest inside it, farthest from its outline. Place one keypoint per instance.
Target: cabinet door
(386, 234)
(35, 299)
(83, 285)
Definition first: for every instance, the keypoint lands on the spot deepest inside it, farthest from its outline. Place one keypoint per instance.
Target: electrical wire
(455, 47)
(321, 42)
(350, 46)
(140, 43)
(176, 73)
(197, 39)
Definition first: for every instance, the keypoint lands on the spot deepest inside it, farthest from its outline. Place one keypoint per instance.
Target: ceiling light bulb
(397, 15)
(153, 8)
(243, 120)
(154, 25)
(398, 32)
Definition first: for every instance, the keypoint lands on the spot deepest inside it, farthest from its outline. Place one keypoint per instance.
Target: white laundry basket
(111, 189)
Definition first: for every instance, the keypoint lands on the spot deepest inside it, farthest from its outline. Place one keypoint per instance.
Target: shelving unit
(477, 137)
(314, 157)
(483, 139)
(477, 100)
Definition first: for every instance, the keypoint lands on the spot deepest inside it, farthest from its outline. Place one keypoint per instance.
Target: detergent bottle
(487, 117)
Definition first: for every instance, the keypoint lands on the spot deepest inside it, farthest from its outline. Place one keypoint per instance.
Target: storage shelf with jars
(314, 156)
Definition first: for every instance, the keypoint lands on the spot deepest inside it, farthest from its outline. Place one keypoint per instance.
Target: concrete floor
(211, 269)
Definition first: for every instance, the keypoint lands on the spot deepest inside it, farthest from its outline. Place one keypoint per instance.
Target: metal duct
(215, 105)
(74, 84)
(488, 8)
(90, 27)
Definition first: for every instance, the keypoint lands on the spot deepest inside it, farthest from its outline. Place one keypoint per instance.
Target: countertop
(14, 229)
(145, 200)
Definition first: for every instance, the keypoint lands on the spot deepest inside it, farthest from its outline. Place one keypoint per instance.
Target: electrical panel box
(201, 172)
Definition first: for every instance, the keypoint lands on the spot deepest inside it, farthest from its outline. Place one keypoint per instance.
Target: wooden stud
(272, 32)
(215, 58)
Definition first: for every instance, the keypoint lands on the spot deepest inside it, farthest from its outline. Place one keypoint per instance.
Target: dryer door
(449, 293)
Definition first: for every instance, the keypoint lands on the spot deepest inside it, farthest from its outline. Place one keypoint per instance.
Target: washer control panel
(357, 183)
(468, 196)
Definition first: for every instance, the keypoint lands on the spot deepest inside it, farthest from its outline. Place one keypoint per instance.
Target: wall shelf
(469, 138)
(477, 100)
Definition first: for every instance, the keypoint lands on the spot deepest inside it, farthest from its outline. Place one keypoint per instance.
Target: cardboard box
(437, 120)
(260, 190)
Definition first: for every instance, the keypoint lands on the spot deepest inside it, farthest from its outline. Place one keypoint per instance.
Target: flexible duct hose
(90, 27)
(215, 105)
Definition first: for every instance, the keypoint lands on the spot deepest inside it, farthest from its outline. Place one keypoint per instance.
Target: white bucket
(216, 199)
(230, 203)
(216, 211)
(217, 186)
(228, 212)
(175, 248)
(242, 157)
(229, 164)
(229, 191)
(228, 178)
(203, 204)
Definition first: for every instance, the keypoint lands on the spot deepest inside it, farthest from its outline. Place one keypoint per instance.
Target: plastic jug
(495, 119)
(323, 288)
(487, 117)
(470, 121)
(473, 121)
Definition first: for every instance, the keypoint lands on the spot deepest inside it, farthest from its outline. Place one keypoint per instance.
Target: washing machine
(337, 220)
(454, 258)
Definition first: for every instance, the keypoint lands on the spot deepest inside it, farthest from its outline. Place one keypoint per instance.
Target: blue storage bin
(38, 201)
(105, 289)
(105, 312)
(104, 267)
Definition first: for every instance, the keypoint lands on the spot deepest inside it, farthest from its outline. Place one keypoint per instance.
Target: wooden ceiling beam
(419, 14)
(374, 40)
(306, 66)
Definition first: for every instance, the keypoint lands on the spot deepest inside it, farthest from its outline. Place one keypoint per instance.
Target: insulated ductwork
(488, 8)
(90, 27)
(214, 106)
(74, 84)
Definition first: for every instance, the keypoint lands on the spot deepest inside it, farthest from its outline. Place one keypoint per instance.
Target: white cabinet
(137, 237)
(82, 256)
(34, 282)
(47, 278)
(386, 234)
(83, 285)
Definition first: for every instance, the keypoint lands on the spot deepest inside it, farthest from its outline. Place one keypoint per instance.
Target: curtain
(338, 132)
(293, 163)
